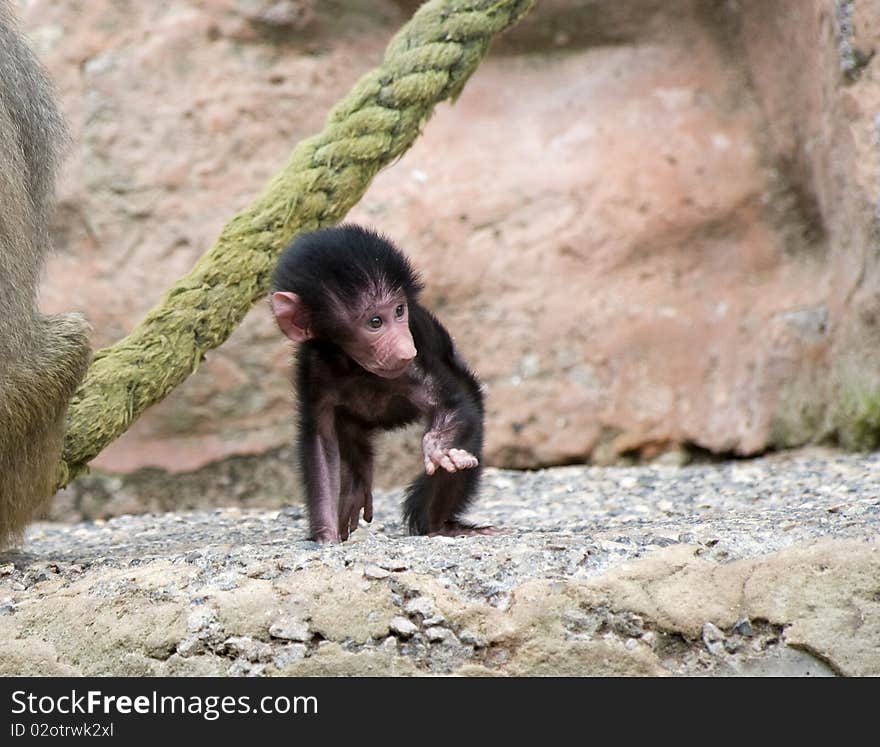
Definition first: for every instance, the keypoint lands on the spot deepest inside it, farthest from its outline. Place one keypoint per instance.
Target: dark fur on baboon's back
(42, 358)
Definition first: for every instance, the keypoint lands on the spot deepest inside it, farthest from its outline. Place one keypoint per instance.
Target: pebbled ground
(766, 566)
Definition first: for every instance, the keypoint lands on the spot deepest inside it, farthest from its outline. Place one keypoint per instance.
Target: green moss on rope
(429, 60)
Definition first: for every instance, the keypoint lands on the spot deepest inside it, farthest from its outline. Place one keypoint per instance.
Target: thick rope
(430, 59)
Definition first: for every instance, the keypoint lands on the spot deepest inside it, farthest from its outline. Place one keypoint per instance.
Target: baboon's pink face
(382, 342)
(378, 338)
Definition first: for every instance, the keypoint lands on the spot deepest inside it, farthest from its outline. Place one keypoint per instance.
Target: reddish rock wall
(648, 224)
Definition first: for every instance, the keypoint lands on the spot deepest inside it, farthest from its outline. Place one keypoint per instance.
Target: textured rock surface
(647, 223)
(763, 567)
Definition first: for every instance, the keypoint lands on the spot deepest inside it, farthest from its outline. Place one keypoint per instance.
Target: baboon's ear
(291, 315)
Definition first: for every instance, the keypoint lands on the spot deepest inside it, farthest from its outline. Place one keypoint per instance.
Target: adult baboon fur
(42, 358)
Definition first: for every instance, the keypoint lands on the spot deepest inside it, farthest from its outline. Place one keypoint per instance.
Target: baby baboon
(374, 359)
(42, 358)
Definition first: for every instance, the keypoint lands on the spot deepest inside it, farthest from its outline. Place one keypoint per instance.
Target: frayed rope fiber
(430, 59)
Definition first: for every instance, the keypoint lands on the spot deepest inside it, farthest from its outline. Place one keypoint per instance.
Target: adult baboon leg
(42, 358)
